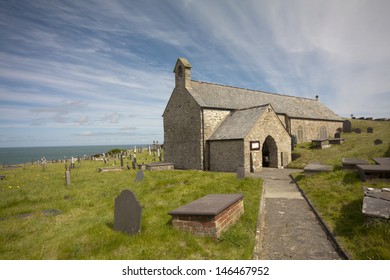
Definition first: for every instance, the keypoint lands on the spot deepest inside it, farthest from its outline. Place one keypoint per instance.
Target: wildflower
(10, 187)
(17, 187)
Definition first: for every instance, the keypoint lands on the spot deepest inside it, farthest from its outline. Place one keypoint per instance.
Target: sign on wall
(255, 145)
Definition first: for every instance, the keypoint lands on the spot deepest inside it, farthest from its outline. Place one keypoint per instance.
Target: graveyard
(43, 217)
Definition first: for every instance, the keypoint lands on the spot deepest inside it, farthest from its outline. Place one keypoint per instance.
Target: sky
(101, 72)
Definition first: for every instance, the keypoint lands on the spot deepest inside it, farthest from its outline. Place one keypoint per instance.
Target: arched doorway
(270, 152)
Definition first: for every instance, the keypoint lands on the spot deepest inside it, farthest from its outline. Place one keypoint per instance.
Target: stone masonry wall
(311, 128)
(182, 131)
(267, 125)
(226, 155)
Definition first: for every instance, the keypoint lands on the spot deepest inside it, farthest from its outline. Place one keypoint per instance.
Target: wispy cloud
(106, 66)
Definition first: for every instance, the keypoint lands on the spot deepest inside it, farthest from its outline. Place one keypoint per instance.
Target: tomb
(351, 163)
(160, 166)
(314, 168)
(336, 141)
(376, 203)
(382, 161)
(320, 143)
(109, 169)
(209, 215)
(374, 172)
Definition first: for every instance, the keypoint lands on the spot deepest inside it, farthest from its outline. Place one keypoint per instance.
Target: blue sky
(100, 72)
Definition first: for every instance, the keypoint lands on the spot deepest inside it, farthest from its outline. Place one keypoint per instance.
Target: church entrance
(270, 152)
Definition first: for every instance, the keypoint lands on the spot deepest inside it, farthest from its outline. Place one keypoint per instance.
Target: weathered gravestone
(337, 135)
(121, 156)
(358, 130)
(134, 165)
(67, 178)
(127, 213)
(347, 126)
(140, 176)
(377, 142)
(370, 130)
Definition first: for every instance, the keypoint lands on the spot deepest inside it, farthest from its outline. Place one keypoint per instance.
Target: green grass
(338, 195)
(83, 227)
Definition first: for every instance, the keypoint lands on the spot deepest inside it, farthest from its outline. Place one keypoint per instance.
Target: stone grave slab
(373, 172)
(351, 163)
(320, 143)
(375, 207)
(140, 176)
(160, 166)
(314, 168)
(110, 169)
(382, 161)
(127, 213)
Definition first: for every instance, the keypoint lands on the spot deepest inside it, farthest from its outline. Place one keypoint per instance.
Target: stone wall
(311, 128)
(182, 131)
(267, 125)
(226, 155)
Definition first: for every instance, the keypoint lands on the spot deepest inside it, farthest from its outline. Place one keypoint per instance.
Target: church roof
(238, 123)
(209, 95)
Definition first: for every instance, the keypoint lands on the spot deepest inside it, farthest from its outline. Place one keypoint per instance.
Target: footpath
(287, 228)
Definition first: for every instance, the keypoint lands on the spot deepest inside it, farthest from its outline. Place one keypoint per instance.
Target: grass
(41, 218)
(338, 195)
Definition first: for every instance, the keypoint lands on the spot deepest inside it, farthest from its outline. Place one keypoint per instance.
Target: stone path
(287, 228)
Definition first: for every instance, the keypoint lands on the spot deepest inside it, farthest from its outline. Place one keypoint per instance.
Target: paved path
(287, 228)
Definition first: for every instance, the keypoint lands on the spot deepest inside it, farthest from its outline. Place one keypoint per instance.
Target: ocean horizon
(20, 155)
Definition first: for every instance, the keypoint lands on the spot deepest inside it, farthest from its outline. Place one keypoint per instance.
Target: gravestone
(377, 142)
(134, 165)
(140, 176)
(67, 178)
(127, 213)
(347, 126)
(358, 130)
(241, 172)
(121, 159)
(337, 135)
(370, 130)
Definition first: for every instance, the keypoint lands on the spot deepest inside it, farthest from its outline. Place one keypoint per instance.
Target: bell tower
(182, 72)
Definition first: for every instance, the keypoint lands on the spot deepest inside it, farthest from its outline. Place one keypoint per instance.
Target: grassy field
(41, 218)
(338, 195)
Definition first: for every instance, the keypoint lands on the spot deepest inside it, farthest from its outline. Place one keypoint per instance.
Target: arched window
(300, 134)
(323, 132)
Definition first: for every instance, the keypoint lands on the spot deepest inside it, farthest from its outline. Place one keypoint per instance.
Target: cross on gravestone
(127, 213)
(67, 178)
(370, 130)
(140, 176)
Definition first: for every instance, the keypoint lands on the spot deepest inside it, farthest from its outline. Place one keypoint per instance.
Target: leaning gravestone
(127, 213)
(347, 126)
(370, 130)
(140, 176)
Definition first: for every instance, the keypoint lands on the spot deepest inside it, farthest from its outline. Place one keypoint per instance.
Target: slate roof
(209, 95)
(238, 123)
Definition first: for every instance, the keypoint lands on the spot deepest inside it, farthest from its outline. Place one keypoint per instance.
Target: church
(220, 128)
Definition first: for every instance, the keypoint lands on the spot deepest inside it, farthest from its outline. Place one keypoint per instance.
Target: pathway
(287, 228)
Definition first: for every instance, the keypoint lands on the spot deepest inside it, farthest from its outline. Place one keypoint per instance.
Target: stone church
(219, 128)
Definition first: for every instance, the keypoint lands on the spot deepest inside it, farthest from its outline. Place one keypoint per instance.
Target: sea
(20, 155)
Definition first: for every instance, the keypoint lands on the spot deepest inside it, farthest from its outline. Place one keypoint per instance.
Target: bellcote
(182, 72)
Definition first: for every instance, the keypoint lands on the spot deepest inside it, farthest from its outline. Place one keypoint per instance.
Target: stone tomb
(127, 213)
(382, 161)
(209, 215)
(376, 203)
(320, 143)
(374, 172)
(351, 163)
(160, 166)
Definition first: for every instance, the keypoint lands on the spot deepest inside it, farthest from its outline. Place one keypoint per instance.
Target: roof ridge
(253, 90)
